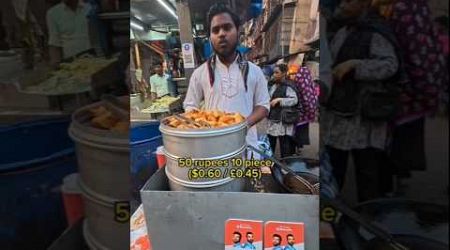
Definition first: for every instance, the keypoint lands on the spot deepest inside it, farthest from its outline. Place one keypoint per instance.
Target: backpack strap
(243, 67)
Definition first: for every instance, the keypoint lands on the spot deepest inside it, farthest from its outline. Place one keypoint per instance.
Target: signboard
(188, 55)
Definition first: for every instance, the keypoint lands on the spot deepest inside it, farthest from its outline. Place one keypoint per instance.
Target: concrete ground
(430, 185)
(309, 151)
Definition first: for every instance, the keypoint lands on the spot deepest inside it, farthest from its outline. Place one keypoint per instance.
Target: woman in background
(364, 53)
(303, 80)
(281, 95)
(426, 83)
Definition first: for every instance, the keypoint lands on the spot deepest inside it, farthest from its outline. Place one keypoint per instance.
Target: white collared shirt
(68, 29)
(228, 92)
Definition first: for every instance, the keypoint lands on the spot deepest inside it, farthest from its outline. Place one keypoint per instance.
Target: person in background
(31, 34)
(441, 28)
(325, 73)
(268, 72)
(292, 71)
(226, 81)
(250, 240)
(291, 241)
(303, 80)
(426, 81)
(159, 85)
(276, 242)
(282, 95)
(67, 25)
(364, 53)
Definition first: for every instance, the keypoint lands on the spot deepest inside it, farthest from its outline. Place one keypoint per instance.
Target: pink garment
(308, 95)
(443, 39)
(423, 59)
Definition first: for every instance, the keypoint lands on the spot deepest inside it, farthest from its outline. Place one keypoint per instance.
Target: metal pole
(184, 22)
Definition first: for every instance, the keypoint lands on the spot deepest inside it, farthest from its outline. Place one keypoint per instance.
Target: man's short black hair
(220, 8)
(278, 236)
(289, 235)
(283, 67)
(249, 233)
(236, 232)
(158, 64)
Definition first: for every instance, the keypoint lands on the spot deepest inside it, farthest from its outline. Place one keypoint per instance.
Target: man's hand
(259, 113)
(274, 102)
(344, 68)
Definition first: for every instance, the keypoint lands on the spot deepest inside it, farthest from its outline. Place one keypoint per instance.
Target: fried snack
(182, 126)
(175, 123)
(226, 119)
(222, 124)
(201, 119)
(100, 110)
(217, 114)
(213, 123)
(238, 118)
(215, 119)
(104, 121)
(121, 127)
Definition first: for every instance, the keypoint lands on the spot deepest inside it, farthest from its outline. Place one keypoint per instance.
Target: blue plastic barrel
(35, 156)
(145, 138)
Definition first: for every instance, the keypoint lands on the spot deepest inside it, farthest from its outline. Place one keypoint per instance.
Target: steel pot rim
(221, 157)
(202, 132)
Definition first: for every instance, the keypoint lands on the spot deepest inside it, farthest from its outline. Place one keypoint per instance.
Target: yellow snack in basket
(214, 118)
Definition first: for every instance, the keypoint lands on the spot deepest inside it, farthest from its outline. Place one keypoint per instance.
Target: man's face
(236, 238)
(250, 238)
(276, 241)
(158, 70)
(291, 240)
(224, 34)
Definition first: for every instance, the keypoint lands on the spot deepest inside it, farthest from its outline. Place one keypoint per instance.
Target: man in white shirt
(68, 30)
(159, 85)
(226, 82)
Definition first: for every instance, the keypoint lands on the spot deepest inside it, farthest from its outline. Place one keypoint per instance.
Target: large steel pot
(104, 165)
(174, 169)
(203, 143)
(103, 156)
(222, 185)
(101, 231)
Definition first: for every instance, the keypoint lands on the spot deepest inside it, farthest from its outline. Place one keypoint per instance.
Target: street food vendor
(226, 81)
(159, 85)
(68, 30)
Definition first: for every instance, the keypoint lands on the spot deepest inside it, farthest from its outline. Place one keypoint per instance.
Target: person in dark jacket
(365, 55)
(282, 95)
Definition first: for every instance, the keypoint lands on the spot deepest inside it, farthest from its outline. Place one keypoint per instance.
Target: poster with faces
(243, 234)
(284, 236)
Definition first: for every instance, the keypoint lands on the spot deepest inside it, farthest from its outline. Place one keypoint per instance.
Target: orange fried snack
(121, 127)
(215, 119)
(104, 121)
